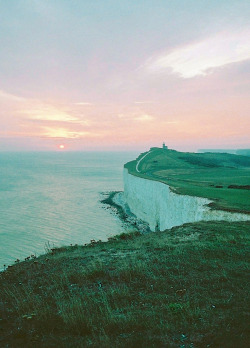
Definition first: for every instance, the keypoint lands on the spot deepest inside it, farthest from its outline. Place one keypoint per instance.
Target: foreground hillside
(186, 287)
(221, 177)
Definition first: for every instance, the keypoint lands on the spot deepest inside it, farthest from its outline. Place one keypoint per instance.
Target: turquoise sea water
(55, 197)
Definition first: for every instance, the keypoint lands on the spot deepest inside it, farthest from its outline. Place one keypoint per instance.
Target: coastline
(154, 202)
(210, 176)
(119, 207)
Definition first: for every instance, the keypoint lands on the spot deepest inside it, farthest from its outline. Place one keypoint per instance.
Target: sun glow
(61, 146)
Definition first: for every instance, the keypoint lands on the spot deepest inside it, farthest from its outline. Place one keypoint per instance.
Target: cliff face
(155, 203)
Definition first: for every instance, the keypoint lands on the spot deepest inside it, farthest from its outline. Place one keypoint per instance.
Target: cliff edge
(168, 188)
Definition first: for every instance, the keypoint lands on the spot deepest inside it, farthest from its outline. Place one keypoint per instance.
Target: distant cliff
(155, 203)
(242, 152)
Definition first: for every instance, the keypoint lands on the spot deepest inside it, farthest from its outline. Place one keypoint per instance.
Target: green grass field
(221, 177)
(186, 287)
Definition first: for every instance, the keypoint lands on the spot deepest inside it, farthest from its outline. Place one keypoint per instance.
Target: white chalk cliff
(154, 202)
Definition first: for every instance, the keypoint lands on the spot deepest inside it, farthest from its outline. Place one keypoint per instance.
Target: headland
(167, 188)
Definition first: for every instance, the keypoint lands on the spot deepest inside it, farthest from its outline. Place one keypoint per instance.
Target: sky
(124, 74)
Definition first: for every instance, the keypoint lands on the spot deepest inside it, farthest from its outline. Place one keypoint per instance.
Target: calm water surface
(55, 197)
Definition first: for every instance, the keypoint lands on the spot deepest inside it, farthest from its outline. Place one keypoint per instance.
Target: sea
(51, 199)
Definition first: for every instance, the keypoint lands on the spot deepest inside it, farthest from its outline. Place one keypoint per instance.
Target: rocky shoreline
(118, 206)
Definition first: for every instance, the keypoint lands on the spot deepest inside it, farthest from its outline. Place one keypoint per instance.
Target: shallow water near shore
(55, 197)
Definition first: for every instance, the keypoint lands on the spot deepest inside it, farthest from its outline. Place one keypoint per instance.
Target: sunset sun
(61, 147)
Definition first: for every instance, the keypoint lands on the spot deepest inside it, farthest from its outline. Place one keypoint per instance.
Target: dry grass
(186, 287)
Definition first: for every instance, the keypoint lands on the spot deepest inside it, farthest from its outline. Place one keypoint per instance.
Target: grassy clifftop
(221, 177)
(186, 287)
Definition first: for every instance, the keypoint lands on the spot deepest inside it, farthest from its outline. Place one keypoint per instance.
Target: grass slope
(186, 287)
(222, 177)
